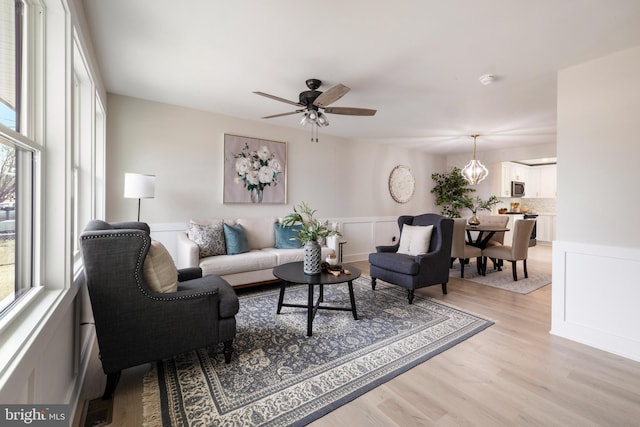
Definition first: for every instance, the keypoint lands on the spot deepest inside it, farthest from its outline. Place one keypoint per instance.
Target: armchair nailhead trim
(139, 263)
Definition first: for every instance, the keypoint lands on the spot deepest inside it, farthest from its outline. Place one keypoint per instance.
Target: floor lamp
(139, 186)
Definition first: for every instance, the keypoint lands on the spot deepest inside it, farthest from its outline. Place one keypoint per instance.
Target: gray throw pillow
(209, 238)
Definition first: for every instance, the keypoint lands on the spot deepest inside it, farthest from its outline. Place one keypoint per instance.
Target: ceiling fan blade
(277, 98)
(331, 95)
(283, 114)
(350, 111)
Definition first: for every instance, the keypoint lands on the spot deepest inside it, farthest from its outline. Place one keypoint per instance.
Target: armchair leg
(462, 263)
(112, 382)
(444, 288)
(411, 295)
(373, 283)
(513, 269)
(228, 350)
(526, 275)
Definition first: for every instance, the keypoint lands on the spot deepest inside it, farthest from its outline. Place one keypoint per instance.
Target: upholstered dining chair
(517, 251)
(497, 220)
(460, 249)
(498, 237)
(424, 267)
(145, 309)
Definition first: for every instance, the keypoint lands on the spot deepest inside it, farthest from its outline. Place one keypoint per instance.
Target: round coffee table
(293, 273)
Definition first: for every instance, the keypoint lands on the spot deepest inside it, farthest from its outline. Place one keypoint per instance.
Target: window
(17, 156)
(10, 62)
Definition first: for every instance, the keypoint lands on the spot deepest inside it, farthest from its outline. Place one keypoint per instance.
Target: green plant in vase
(309, 233)
(478, 204)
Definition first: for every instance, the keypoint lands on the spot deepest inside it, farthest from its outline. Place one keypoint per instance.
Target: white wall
(595, 292)
(183, 147)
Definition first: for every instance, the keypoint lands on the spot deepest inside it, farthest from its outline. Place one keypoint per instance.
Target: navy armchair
(416, 271)
(135, 324)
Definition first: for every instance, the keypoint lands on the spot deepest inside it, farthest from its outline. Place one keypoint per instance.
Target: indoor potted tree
(310, 231)
(451, 192)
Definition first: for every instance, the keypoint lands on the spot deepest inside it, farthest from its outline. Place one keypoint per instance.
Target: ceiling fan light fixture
(322, 120)
(312, 115)
(474, 171)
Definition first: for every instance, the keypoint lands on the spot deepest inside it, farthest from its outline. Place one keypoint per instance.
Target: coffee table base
(314, 305)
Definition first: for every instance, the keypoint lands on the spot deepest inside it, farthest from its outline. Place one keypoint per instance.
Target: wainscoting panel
(595, 296)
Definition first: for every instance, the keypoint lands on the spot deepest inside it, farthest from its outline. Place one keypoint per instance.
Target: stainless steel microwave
(517, 189)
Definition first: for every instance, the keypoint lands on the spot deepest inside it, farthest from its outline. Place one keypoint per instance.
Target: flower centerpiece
(310, 231)
(477, 204)
(256, 170)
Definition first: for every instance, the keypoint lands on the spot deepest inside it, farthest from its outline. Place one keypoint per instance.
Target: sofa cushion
(231, 264)
(285, 236)
(159, 270)
(259, 232)
(414, 240)
(208, 236)
(236, 239)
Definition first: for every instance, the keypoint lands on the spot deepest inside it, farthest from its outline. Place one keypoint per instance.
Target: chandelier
(474, 171)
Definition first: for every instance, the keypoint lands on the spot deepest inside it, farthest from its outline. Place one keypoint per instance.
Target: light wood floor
(512, 374)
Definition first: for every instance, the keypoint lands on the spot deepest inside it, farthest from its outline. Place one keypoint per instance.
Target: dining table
(485, 232)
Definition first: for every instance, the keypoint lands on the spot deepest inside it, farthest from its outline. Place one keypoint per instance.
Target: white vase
(312, 257)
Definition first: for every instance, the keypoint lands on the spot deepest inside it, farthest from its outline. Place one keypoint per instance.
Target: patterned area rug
(280, 377)
(503, 279)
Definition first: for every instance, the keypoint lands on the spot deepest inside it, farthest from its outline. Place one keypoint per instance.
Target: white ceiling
(416, 61)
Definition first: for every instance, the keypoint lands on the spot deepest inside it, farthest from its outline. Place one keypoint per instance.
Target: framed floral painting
(254, 170)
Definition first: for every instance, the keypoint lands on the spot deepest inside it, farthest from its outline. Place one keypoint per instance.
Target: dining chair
(497, 220)
(460, 249)
(498, 237)
(517, 251)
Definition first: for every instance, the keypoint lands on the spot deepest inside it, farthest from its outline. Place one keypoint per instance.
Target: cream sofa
(249, 268)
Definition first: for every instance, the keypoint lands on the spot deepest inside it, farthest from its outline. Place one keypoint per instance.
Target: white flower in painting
(243, 165)
(252, 178)
(265, 175)
(264, 153)
(275, 165)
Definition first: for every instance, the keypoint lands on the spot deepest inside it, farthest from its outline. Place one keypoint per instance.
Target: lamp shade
(139, 186)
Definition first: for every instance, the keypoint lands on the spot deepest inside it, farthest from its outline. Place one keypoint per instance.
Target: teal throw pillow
(285, 236)
(237, 242)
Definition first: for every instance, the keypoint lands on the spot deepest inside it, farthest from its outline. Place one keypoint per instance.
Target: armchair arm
(392, 248)
(189, 273)
(188, 252)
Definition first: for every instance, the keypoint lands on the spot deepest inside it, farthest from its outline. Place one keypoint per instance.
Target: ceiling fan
(313, 102)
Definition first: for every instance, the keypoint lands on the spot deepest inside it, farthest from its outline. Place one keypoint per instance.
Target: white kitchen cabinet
(498, 182)
(546, 230)
(548, 187)
(541, 182)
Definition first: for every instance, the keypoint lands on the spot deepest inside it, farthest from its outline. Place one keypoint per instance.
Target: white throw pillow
(159, 270)
(415, 239)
